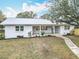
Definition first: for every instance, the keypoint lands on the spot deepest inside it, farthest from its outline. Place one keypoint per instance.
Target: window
(44, 27)
(67, 27)
(19, 28)
(36, 27)
(57, 29)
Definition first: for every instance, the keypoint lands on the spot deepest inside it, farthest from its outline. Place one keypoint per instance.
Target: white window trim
(20, 28)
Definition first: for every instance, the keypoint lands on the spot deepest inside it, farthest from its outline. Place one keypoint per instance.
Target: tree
(2, 16)
(66, 12)
(46, 16)
(26, 15)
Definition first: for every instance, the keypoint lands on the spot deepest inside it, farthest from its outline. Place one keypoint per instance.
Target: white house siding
(46, 31)
(27, 29)
(71, 28)
(10, 31)
(57, 29)
(49, 30)
(62, 31)
(25, 32)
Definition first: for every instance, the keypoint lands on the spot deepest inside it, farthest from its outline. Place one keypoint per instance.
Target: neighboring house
(16, 27)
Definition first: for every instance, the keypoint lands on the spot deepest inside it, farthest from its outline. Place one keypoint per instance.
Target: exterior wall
(27, 29)
(64, 31)
(10, 31)
(57, 30)
(71, 28)
(60, 30)
(48, 31)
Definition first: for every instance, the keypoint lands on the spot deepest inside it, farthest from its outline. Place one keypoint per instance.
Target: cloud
(11, 12)
(35, 8)
(37, 4)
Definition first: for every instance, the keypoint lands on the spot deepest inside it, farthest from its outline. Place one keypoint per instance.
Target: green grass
(75, 39)
(35, 48)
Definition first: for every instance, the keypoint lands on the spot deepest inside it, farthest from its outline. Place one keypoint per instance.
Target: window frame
(19, 28)
(44, 27)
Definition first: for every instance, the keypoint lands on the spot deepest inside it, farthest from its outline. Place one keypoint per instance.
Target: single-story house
(15, 27)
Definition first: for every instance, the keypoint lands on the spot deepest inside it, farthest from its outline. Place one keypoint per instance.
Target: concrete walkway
(71, 45)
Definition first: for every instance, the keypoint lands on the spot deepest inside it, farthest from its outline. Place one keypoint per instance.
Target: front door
(57, 29)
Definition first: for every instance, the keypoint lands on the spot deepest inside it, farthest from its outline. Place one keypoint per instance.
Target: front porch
(44, 30)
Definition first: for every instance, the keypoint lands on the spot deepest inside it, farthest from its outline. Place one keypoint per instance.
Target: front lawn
(35, 48)
(75, 39)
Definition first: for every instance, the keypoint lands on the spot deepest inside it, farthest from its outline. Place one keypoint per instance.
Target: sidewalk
(70, 44)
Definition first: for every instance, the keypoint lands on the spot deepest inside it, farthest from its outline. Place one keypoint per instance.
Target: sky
(12, 7)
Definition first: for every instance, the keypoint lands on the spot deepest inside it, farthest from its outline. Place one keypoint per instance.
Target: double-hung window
(19, 28)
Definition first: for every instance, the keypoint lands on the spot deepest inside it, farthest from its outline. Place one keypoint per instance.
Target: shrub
(1, 37)
(42, 33)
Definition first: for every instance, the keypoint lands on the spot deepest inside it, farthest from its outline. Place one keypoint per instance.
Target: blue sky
(17, 5)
